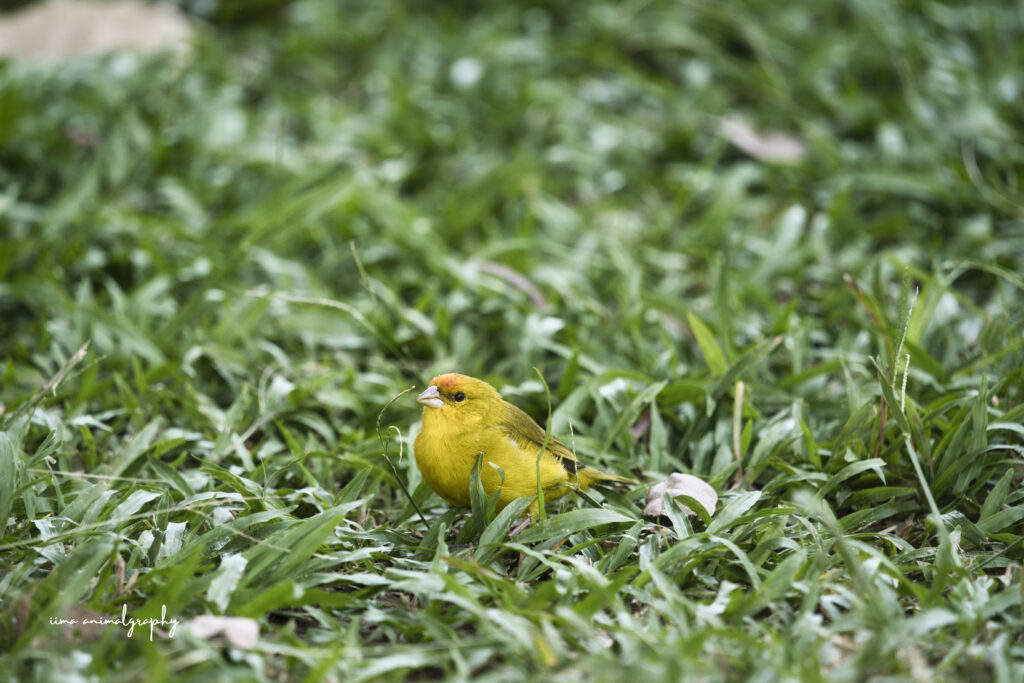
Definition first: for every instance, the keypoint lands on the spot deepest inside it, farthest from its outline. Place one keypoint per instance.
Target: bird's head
(459, 398)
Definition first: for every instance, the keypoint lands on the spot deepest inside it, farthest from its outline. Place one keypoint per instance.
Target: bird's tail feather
(589, 476)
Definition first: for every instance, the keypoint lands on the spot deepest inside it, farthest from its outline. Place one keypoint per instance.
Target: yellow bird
(463, 417)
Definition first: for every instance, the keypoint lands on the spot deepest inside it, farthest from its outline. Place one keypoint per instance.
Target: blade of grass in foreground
(571, 522)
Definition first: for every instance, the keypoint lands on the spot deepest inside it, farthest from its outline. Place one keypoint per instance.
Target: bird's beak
(431, 397)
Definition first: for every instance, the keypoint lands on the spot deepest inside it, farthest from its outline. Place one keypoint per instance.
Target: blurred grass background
(322, 204)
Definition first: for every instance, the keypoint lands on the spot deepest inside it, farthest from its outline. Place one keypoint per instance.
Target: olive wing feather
(522, 429)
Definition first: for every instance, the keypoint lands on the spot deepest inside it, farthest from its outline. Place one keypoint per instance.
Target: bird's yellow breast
(447, 449)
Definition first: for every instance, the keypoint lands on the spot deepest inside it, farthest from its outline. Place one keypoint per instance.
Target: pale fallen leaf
(241, 632)
(679, 484)
(516, 279)
(62, 30)
(772, 146)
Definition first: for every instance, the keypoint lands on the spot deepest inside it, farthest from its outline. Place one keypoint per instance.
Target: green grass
(264, 244)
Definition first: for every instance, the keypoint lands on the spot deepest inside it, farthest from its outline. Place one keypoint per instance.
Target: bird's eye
(459, 397)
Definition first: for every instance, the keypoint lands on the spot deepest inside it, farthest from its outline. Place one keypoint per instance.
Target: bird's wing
(521, 428)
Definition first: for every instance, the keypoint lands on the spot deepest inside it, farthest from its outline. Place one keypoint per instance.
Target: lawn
(778, 246)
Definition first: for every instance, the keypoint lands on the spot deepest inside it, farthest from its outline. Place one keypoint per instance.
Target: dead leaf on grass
(64, 30)
(679, 484)
(773, 146)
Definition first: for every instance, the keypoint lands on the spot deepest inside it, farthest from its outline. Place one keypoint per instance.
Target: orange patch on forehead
(447, 382)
